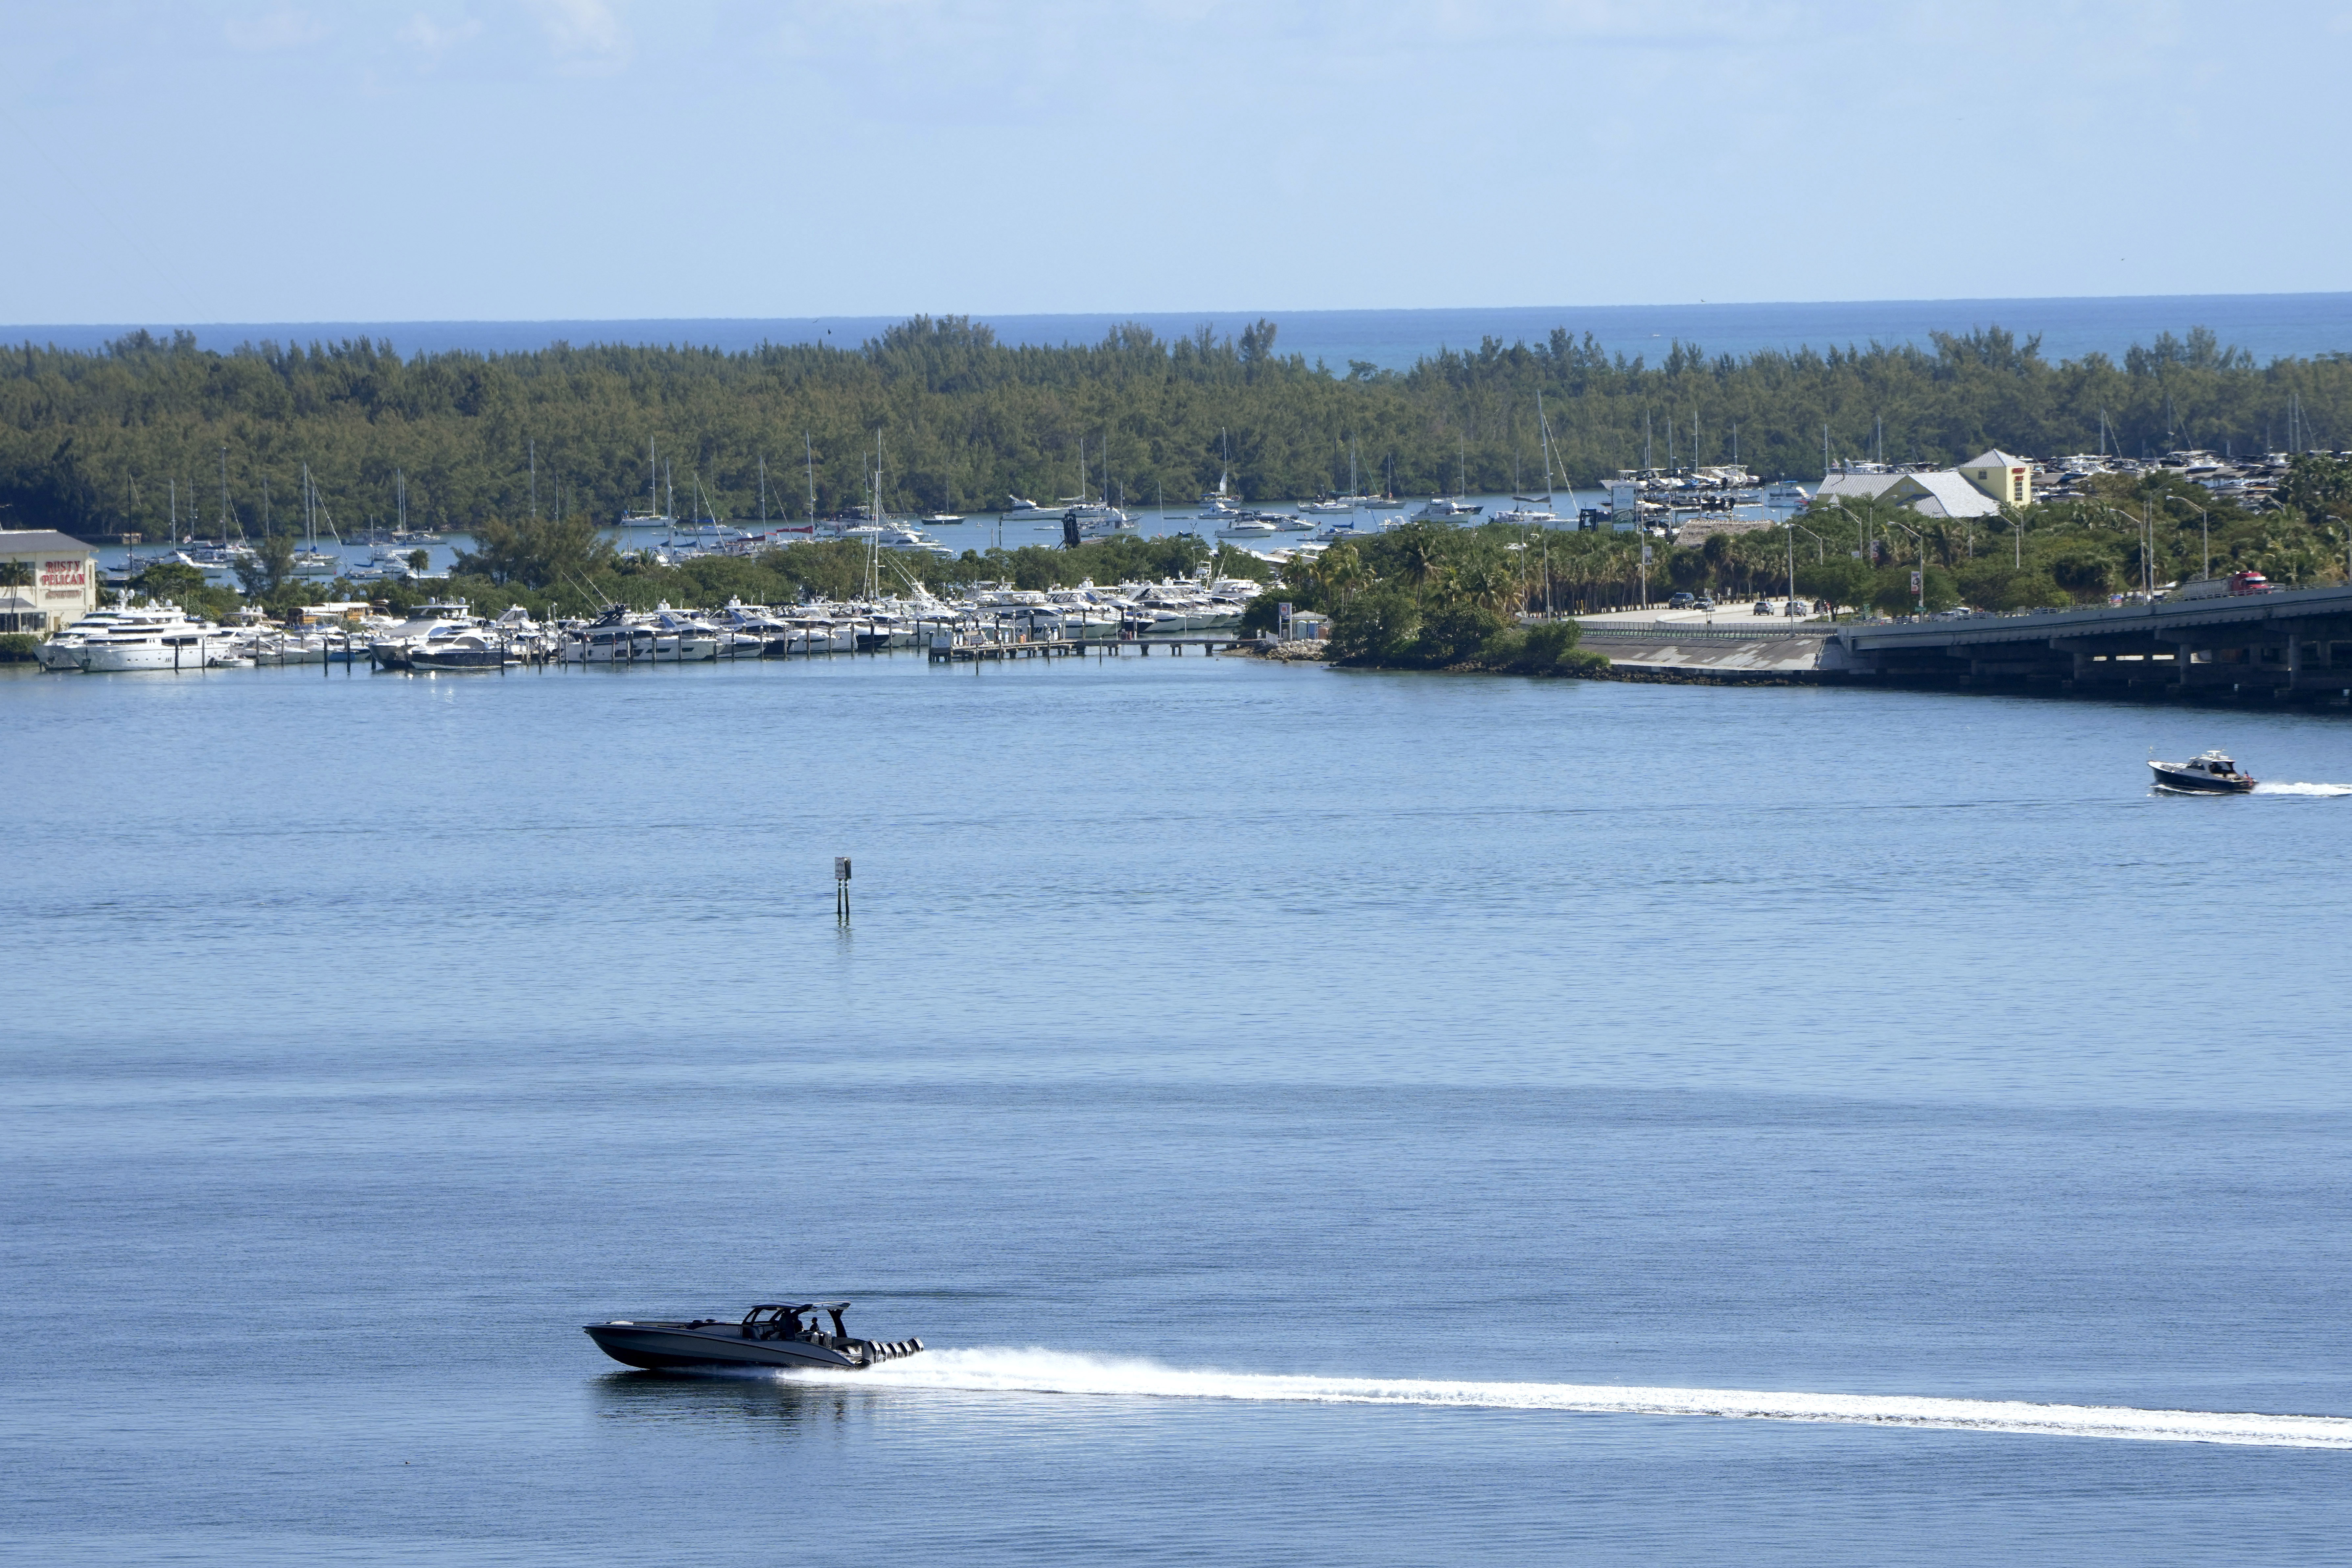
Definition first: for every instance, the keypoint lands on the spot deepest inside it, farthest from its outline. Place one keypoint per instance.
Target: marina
(1052, 1104)
(992, 623)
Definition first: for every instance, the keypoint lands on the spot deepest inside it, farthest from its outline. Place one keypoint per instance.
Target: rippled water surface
(1329, 1117)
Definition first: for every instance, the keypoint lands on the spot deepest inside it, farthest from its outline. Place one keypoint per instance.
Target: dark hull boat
(771, 1335)
(2208, 773)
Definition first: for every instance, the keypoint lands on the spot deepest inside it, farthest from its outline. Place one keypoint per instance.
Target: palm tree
(1421, 554)
(1490, 584)
(15, 575)
(1341, 571)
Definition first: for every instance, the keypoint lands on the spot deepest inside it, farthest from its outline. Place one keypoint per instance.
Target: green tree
(1420, 551)
(536, 554)
(1340, 572)
(1377, 626)
(2086, 571)
(1841, 580)
(267, 566)
(2318, 485)
(169, 580)
(1490, 583)
(1456, 630)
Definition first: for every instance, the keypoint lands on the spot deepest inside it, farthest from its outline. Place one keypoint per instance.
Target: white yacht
(62, 650)
(389, 651)
(679, 637)
(612, 637)
(162, 638)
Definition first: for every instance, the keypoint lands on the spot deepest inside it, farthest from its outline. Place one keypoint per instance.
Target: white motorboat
(441, 619)
(2208, 772)
(1445, 509)
(1097, 519)
(1246, 527)
(478, 648)
(682, 637)
(612, 637)
(770, 1335)
(1329, 506)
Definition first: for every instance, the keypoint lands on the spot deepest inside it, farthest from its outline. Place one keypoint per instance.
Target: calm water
(2267, 325)
(1305, 1112)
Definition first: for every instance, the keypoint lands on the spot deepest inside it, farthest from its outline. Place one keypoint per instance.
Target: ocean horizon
(2268, 326)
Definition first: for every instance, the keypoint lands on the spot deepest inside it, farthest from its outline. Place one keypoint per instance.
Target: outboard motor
(1069, 530)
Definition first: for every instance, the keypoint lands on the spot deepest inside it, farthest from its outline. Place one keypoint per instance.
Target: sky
(527, 160)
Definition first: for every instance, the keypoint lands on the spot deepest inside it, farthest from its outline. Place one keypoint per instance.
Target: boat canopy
(800, 1307)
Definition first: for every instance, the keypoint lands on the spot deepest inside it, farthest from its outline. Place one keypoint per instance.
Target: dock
(967, 647)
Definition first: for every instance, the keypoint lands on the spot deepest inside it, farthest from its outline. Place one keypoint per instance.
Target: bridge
(2295, 642)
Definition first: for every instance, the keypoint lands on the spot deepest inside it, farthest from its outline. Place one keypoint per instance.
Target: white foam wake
(1042, 1371)
(2302, 789)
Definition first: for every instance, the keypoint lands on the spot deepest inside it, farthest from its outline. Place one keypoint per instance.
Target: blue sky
(266, 159)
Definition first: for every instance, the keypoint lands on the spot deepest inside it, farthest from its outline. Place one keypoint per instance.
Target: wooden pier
(968, 648)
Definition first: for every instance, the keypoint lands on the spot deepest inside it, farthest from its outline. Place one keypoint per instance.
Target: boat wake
(1042, 1372)
(2302, 789)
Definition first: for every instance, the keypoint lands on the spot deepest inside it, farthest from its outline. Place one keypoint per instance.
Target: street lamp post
(2016, 537)
(1821, 554)
(2205, 531)
(1923, 559)
(2146, 522)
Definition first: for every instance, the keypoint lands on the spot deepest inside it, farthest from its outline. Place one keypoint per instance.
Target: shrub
(1376, 627)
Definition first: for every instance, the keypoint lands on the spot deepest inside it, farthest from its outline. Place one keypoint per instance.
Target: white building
(62, 580)
(1937, 492)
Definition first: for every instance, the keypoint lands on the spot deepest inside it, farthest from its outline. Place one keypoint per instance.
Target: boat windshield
(782, 1320)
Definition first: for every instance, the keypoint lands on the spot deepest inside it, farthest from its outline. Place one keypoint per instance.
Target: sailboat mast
(808, 447)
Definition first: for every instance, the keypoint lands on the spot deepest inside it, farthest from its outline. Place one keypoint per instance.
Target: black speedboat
(770, 1335)
(2208, 773)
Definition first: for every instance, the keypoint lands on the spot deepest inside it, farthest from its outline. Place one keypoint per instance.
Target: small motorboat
(770, 1335)
(2208, 772)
